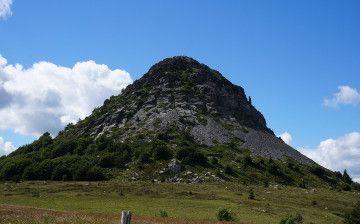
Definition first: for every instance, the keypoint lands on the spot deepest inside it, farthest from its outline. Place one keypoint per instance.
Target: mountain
(180, 92)
(181, 122)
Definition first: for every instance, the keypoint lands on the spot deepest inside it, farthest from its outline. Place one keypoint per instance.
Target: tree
(346, 178)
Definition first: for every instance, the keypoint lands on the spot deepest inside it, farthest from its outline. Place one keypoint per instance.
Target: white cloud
(46, 97)
(338, 154)
(5, 8)
(287, 138)
(5, 147)
(346, 95)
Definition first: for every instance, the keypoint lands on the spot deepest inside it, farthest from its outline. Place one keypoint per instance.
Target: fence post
(125, 217)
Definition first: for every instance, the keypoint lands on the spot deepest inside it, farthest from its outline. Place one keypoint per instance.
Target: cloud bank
(338, 154)
(5, 8)
(346, 96)
(46, 97)
(5, 147)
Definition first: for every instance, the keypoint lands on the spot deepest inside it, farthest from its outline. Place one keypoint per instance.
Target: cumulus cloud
(5, 147)
(5, 8)
(287, 138)
(346, 95)
(338, 154)
(46, 97)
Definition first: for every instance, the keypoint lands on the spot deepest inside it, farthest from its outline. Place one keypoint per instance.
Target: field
(101, 202)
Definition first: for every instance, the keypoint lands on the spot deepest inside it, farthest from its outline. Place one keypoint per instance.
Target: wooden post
(125, 217)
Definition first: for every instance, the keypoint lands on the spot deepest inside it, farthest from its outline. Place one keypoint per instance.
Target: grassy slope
(194, 202)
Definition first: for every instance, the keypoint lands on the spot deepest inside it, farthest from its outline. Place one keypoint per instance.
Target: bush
(247, 160)
(191, 157)
(296, 219)
(95, 174)
(214, 161)
(163, 214)
(346, 187)
(162, 152)
(13, 169)
(251, 194)
(61, 173)
(144, 157)
(224, 214)
(229, 170)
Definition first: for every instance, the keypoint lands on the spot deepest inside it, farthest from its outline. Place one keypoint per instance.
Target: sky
(298, 60)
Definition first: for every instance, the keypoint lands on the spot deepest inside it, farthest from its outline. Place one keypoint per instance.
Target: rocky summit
(181, 93)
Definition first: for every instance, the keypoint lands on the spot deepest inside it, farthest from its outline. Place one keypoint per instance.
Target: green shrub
(95, 174)
(293, 219)
(190, 156)
(353, 217)
(224, 214)
(251, 194)
(214, 161)
(229, 170)
(163, 213)
(346, 187)
(162, 152)
(13, 168)
(61, 173)
(266, 183)
(144, 157)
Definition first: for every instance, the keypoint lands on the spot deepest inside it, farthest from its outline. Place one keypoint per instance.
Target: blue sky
(288, 55)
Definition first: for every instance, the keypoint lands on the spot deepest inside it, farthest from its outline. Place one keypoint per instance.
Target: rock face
(195, 99)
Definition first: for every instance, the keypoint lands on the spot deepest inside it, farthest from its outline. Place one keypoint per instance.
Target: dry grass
(11, 214)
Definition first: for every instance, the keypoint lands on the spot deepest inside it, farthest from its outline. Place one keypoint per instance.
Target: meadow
(101, 202)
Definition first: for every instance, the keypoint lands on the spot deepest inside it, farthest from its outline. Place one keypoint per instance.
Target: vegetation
(251, 194)
(296, 219)
(224, 214)
(184, 203)
(353, 217)
(163, 213)
(72, 158)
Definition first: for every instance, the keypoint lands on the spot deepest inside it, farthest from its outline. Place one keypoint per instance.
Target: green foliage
(346, 187)
(191, 156)
(144, 157)
(229, 170)
(293, 219)
(214, 161)
(251, 194)
(346, 177)
(224, 214)
(72, 157)
(44, 141)
(13, 169)
(163, 213)
(353, 217)
(61, 173)
(161, 151)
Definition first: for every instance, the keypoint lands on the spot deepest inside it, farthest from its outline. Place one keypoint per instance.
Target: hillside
(181, 122)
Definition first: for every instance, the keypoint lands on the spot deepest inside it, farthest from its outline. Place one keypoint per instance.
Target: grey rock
(174, 166)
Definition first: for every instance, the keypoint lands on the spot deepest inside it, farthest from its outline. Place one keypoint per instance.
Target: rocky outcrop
(183, 93)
